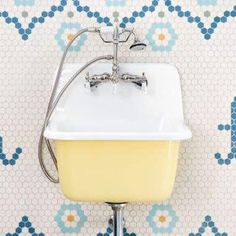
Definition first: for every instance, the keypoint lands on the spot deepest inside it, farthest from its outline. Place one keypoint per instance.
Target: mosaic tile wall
(197, 36)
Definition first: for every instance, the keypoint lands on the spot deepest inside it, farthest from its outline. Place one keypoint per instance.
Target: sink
(118, 143)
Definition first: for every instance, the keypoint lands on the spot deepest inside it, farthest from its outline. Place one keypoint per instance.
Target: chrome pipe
(115, 67)
(118, 218)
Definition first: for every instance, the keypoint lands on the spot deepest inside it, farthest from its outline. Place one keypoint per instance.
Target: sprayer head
(138, 46)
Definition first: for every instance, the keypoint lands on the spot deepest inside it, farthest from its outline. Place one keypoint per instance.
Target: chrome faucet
(139, 80)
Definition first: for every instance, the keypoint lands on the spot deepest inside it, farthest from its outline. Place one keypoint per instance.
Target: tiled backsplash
(197, 36)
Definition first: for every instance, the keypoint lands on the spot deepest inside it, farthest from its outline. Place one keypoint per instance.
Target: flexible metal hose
(54, 101)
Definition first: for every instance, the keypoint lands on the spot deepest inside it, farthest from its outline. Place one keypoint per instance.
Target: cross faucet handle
(140, 81)
(95, 80)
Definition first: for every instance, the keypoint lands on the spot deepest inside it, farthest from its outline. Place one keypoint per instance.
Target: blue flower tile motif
(10, 161)
(24, 2)
(207, 2)
(229, 127)
(161, 37)
(162, 219)
(66, 33)
(119, 3)
(208, 223)
(109, 232)
(25, 223)
(70, 218)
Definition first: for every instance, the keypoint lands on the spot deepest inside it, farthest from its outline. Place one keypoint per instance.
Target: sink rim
(184, 134)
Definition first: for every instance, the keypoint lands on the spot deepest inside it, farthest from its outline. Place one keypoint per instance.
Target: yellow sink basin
(119, 145)
(117, 171)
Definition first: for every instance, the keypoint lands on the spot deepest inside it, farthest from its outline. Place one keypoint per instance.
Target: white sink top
(125, 114)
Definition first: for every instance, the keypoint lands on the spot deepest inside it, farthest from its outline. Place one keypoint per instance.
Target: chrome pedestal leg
(118, 218)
